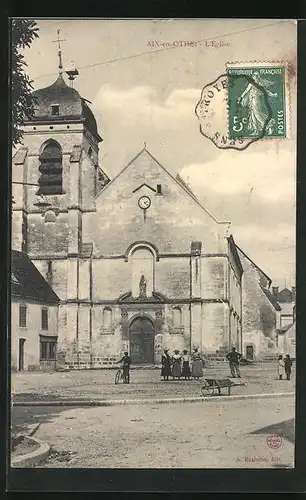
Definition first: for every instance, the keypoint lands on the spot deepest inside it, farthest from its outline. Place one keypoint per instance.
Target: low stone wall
(85, 361)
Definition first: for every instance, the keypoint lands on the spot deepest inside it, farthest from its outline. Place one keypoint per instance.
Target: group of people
(182, 365)
(284, 366)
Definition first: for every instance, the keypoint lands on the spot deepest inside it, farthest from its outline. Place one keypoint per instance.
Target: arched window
(142, 272)
(177, 316)
(51, 179)
(107, 317)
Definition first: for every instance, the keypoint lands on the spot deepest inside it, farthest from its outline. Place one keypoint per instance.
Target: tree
(22, 35)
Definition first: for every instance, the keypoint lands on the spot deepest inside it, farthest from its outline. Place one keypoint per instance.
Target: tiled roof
(27, 282)
(285, 295)
(271, 298)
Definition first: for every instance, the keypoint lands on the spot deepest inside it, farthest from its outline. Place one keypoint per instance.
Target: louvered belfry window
(51, 179)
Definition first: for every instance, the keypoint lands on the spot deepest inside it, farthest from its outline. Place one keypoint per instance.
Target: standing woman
(166, 365)
(197, 365)
(176, 365)
(186, 365)
(288, 365)
(281, 367)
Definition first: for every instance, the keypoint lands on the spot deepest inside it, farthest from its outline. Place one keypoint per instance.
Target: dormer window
(55, 110)
(14, 279)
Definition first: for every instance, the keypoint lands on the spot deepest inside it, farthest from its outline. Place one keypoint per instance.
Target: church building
(138, 263)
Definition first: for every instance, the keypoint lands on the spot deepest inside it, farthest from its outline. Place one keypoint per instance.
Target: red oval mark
(274, 441)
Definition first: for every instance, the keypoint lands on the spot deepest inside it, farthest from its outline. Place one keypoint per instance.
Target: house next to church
(34, 317)
(139, 264)
(286, 299)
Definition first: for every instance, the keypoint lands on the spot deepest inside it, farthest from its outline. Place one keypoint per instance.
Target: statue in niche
(142, 288)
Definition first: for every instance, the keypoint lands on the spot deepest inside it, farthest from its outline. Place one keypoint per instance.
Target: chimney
(293, 294)
(49, 273)
(158, 189)
(275, 290)
(196, 247)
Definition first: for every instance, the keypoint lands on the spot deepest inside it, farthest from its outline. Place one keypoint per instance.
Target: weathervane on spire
(59, 40)
(72, 73)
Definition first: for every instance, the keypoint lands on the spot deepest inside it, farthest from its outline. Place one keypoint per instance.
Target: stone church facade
(138, 263)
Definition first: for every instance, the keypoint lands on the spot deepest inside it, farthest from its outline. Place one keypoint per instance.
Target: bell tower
(56, 176)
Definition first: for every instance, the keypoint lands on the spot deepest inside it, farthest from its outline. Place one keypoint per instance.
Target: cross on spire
(59, 40)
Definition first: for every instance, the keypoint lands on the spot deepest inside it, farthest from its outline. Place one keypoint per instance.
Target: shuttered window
(47, 349)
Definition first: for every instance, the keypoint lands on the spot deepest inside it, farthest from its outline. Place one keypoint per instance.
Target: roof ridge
(271, 298)
(31, 283)
(119, 173)
(190, 193)
(249, 258)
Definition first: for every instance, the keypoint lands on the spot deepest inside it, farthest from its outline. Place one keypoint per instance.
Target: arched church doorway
(142, 340)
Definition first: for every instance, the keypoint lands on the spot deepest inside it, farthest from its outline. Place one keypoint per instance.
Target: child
(281, 367)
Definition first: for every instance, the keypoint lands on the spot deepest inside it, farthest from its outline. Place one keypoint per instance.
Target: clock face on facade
(144, 202)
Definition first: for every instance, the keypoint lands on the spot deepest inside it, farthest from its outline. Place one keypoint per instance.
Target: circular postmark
(230, 114)
(274, 441)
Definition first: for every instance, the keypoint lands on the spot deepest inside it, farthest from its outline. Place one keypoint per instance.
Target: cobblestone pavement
(193, 435)
(99, 384)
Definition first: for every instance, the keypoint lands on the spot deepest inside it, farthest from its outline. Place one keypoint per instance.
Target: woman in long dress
(186, 365)
(197, 365)
(166, 365)
(280, 367)
(176, 365)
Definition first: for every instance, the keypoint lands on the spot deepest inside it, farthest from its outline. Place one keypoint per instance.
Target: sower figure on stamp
(166, 365)
(251, 98)
(126, 362)
(288, 366)
(234, 357)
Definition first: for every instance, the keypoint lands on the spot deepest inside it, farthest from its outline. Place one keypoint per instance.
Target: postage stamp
(247, 103)
(212, 114)
(257, 104)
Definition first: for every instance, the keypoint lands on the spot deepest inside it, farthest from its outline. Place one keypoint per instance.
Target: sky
(143, 92)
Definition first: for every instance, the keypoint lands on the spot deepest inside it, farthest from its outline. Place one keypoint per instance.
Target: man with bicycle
(126, 361)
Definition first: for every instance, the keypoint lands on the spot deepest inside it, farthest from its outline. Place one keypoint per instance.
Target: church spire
(60, 64)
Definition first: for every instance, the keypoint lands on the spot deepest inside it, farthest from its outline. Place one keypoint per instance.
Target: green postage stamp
(257, 100)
